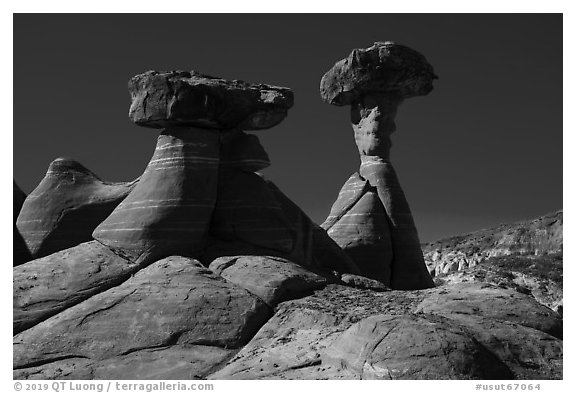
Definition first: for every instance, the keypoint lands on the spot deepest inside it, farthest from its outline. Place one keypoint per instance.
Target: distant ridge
(526, 256)
(529, 238)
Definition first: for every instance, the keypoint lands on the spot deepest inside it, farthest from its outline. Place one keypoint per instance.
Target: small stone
(360, 282)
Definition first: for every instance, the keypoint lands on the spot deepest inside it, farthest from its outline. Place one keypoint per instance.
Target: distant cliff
(526, 256)
(532, 238)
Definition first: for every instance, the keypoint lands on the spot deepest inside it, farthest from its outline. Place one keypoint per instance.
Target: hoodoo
(200, 195)
(66, 206)
(170, 212)
(203, 269)
(371, 219)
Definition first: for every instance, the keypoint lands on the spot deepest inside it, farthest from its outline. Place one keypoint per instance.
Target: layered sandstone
(175, 301)
(371, 219)
(465, 331)
(46, 286)
(261, 291)
(201, 195)
(169, 211)
(66, 206)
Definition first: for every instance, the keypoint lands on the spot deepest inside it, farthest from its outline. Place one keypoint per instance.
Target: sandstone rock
(534, 238)
(242, 151)
(290, 344)
(329, 255)
(408, 267)
(313, 249)
(401, 347)
(174, 362)
(66, 206)
(378, 233)
(170, 209)
(20, 249)
(70, 368)
(372, 222)
(346, 333)
(491, 302)
(216, 248)
(174, 301)
(165, 99)
(523, 334)
(272, 279)
(247, 210)
(545, 291)
(363, 233)
(372, 118)
(46, 286)
(384, 67)
(360, 282)
(350, 193)
(527, 352)
(254, 217)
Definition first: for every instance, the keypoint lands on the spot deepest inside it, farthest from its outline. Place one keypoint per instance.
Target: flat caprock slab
(176, 98)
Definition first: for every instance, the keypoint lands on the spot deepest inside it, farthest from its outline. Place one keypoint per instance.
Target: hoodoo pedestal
(371, 219)
(201, 195)
(178, 200)
(170, 209)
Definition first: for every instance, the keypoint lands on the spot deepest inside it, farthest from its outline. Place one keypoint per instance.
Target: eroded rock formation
(464, 331)
(200, 195)
(89, 306)
(208, 271)
(371, 219)
(66, 206)
(45, 286)
(188, 98)
(526, 256)
(530, 239)
(189, 304)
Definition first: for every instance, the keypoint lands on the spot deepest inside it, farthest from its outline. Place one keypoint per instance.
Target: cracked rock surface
(175, 301)
(346, 333)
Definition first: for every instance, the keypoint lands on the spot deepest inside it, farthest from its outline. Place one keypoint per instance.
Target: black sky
(485, 147)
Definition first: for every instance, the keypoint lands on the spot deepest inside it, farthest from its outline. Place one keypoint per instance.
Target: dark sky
(485, 147)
